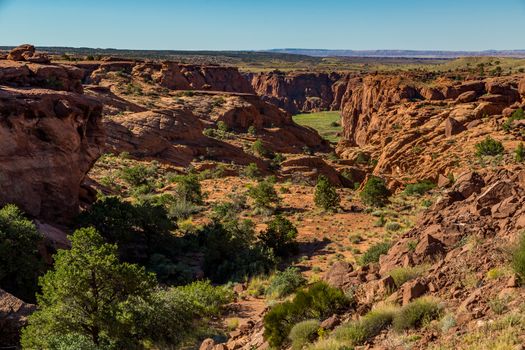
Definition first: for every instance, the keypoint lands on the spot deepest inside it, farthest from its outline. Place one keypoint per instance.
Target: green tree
(20, 262)
(189, 188)
(374, 192)
(264, 196)
(91, 294)
(326, 196)
(280, 236)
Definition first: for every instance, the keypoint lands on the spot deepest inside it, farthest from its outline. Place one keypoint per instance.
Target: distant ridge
(400, 53)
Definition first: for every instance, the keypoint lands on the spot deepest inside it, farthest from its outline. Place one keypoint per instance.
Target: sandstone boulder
(13, 317)
(338, 275)
(468, 183)
(453, 127)
(21, 53)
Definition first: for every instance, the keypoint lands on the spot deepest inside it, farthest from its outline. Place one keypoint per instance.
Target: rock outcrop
(300, 92)
(13, 317)
(48, 140)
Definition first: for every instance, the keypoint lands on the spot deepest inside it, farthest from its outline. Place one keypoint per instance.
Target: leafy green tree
(374, 192)
(189, 189)
(326, 196)
(89, 293)
(280, 236)
(20, 262)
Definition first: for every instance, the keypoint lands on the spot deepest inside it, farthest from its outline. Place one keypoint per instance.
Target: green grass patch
(327, 124)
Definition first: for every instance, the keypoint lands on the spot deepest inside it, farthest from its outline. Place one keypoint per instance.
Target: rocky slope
(421, 128)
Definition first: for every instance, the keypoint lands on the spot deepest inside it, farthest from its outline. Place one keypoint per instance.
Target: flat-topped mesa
(408, 121)
(298, 92)
(174, 76)
(49, 139)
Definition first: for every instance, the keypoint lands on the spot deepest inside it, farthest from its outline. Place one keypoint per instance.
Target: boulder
(494, 194)
(466, 97)
(453, 127)
(412, 290)
(21, 53)
(13, 317)
(468, 183)
(338, 275)
(428, 248)
(330, 323)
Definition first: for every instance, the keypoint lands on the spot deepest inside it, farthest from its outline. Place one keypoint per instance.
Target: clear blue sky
(265, 24)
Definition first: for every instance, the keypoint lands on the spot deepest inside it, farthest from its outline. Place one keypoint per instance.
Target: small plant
(374, 252)
(280, 236)
(222, 126)
(304, 333)
(264, 196)
(417, 313)
(447, 322)
(419, 188)
(326, 196)
(489, 147)
(393, 226)
(374, 192)
(499, 305)
(189, 189)
(400, 275)
(518, 258)
(518, 114)
(317, 302)
(137, 175)
(285, 283)
(369, 326)
(232, 324)
(259, 149)
(252, 130)
(519, 153)
(252, 171)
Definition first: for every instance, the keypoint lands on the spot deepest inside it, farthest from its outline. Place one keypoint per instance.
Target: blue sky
(265, 24)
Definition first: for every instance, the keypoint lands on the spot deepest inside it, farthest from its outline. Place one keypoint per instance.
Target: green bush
(374, 192)
(189, 189)
(182, 209)
(280, 236)
(222, 126)
(417, 313)
(419, 188)
(138, 175)
(252, 130)
(373, 253)
(519, 152)
(369, 326)
(252, 171)
(264, 196)
(317, 302)
(285, 283)
(219, 240)
(326, 196)
(20, 261)
(404, 274)
(259, 149)
(518, 114)
(518, 258)
(489, 147)
(393, 226)
(304, 333)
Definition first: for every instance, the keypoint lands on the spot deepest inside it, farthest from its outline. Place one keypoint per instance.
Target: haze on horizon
(455, 25)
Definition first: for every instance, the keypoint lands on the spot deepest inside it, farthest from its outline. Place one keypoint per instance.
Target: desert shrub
(182, 209)
(393, 226)
(374, 192)
(303, 333)
(362, 158)
(519, 153)
(279, 236)
(518, 258)
(419, 188)
(278, 158)
(20, 261)
(326, 196)
(252, 130)
(285, 283)
(417, 313)
(138, 175)
(373, 253)
(219, 240)
(366, 328)
(264, 196)
(489, 147)
(518, 114)
(259, 149)
(252, 171)
(189, 188)
(222, 126)
(317, 302)
(404, 274)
